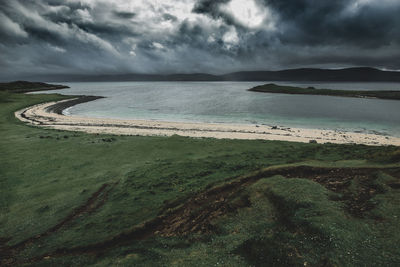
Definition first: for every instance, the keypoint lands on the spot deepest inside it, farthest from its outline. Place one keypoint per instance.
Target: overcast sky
(213, 36)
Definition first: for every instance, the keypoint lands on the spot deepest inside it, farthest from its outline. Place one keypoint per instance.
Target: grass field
(70, 198)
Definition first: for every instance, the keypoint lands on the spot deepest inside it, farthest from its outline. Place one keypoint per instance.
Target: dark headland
(25, 87)
(279, 89)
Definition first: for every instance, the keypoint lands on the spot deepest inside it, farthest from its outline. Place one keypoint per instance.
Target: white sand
(37, 115)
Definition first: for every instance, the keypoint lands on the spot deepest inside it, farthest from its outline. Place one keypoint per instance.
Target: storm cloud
(175, 36)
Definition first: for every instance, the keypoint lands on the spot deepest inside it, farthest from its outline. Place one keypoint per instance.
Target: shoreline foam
(50, 115)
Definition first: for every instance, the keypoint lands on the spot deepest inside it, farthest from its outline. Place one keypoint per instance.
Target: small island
(25, 87)
(280, 89)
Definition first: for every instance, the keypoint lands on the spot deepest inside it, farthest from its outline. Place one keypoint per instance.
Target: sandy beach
(50, 115)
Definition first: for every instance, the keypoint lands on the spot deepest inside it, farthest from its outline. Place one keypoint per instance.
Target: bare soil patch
(197, 213)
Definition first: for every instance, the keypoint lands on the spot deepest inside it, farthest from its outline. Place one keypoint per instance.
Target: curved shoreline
(59, 107)
(50, 115)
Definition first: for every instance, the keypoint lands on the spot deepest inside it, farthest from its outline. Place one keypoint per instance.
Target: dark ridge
(308, 74)
(361, 74)
(25, 87)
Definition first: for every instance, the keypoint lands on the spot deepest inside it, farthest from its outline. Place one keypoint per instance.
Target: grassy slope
(279, 89)
(46, 174)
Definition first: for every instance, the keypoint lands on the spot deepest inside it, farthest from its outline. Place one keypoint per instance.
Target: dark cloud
(336, 22)
(124, 15)
(99, 36)
(167, 16)
(213, 8)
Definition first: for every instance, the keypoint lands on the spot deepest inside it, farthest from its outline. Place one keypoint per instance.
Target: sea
(230, 102)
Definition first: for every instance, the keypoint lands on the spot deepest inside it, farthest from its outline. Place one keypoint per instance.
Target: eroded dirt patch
(197, 213)
(355, 185)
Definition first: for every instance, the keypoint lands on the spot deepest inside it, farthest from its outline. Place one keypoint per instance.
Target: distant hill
(24, 86)
(125, 77)
(305, 74)
(339, 75)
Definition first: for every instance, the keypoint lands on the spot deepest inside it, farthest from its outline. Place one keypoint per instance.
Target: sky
(191, 36)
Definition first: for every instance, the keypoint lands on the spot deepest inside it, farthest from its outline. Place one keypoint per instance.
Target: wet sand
(50, 115)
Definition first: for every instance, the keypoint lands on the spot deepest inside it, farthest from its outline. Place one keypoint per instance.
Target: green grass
(46, 174)
(279, 89)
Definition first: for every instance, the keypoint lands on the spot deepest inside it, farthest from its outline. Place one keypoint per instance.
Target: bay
(229, 102)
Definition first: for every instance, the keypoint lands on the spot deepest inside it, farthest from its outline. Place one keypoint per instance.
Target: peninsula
(292, 90)
(25, 87)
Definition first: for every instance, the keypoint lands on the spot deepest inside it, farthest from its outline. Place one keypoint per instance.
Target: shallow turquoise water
(229, 102)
